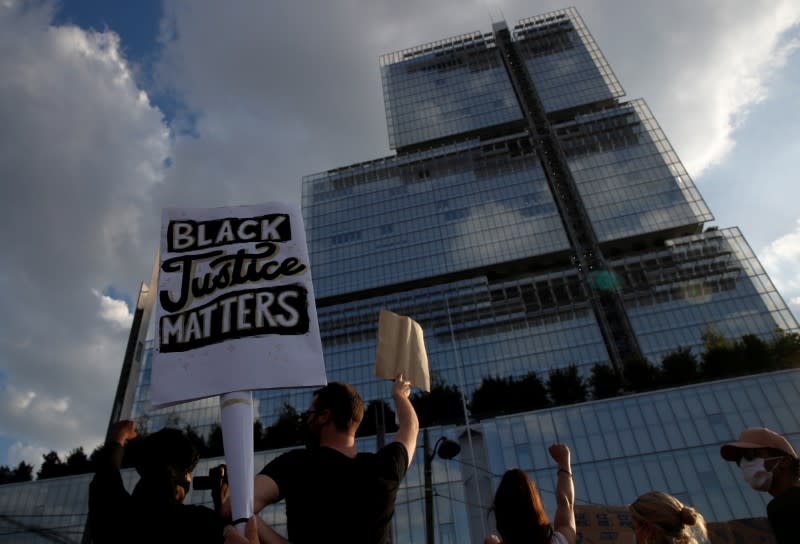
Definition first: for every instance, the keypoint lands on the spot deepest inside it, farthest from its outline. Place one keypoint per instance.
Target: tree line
(496, 395)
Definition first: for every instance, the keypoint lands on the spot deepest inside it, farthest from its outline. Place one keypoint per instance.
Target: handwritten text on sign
(241, 313)
(235, 303)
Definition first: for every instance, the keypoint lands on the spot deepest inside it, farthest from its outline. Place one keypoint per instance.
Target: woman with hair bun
(660, 518)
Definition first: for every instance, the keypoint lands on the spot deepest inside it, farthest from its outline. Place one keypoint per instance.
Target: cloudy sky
(110, 111)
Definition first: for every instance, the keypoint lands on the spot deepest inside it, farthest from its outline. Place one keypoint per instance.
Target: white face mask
(754, 473)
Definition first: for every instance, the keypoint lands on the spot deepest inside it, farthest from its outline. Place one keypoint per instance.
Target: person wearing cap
(154, 512)
(769, 463)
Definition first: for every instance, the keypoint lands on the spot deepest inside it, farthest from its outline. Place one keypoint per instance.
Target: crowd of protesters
(334, 493)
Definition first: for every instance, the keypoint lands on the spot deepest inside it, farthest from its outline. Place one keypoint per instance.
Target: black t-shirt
(784, 516)
(334, 498)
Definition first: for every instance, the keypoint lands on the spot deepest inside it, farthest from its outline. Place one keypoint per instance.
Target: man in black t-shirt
(769, 463)
(333, 493)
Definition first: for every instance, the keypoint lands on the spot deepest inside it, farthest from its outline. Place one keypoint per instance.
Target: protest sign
(235, 304)
(236, 312)
(401, 350)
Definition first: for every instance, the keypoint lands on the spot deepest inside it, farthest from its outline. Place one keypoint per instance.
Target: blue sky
(110, 111)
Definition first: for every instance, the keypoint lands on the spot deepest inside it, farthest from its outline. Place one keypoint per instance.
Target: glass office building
(510, 262)
(529, 218)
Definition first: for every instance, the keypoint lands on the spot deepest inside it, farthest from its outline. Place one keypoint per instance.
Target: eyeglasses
(749, 455)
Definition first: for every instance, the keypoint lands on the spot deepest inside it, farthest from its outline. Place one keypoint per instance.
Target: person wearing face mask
(770, 464)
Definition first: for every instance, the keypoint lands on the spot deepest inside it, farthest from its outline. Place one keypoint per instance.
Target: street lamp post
(447, 449)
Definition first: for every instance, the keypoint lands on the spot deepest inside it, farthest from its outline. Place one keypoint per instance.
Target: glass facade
(628, 176)
(667, 440)
(564, 62)
(459, 85)
(400, 220)
(459, 229)
(446, 88)
(463, 234)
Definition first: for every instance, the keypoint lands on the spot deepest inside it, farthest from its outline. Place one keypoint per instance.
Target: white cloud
(114, 311)
(19, 452)
(82, 151)
(781, 260)
(701, 66)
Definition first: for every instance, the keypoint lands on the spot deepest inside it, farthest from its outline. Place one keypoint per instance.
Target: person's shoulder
(397, 448)
(286, 459)
(391, 450)
(790, 497)
(396, 451)
(297, 453)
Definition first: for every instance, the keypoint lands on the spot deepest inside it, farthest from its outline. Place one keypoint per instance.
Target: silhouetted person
(769, 464)
(334, 493)
(154, 512)
(518, 512)
(660, 518)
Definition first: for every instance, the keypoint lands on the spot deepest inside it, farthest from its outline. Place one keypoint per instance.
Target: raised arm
(406, 416)
(109, 501)
(564, 521)
(122, 431)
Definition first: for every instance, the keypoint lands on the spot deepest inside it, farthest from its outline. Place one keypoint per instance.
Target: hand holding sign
(236, 312)
(401, 350)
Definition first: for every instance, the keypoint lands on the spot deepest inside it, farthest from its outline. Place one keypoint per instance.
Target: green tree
(719, 355)
(565, 386)
(52, 467)
(197, 440)
(78, 463)
(286, 431)
(639, 374)
(785, 349)
(754, 355)
(259, 442)
(605, 381)
(498, 395)
(377, 410)
(23, 473)
(442, 405)
(491, 398)
(214, 442)
(713, 339)
(679, 367)
(531, 393)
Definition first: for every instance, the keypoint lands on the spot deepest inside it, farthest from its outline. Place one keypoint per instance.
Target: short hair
(344, 404)
(669, 516)
(166, 449)
(518, 511)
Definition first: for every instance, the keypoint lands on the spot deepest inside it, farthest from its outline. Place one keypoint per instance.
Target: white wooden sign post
(236, 313)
